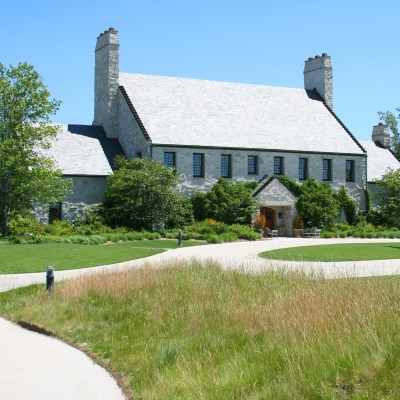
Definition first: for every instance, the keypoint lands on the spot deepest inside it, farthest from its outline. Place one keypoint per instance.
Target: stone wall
(130, 135)
(212, 160)
(87, 192)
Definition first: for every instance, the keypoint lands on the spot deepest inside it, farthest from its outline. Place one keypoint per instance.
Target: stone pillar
(318, 75)
(106, 83)
(380, 133)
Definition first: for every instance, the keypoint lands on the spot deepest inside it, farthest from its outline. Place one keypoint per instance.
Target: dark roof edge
(134, 113)
(259, 189)
(85, 176)
(394, 154)
(340, 121)
(189, 146)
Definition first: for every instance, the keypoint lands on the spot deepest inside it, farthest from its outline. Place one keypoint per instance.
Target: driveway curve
(242, 255)
(34, 366)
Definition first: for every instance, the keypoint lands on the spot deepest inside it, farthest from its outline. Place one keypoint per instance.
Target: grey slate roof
(191, 112)
(84, 150)
(379, 160)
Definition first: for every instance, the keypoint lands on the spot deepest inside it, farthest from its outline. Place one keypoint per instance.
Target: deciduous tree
(27, 175)
(317, 204)
(229, 202)
(141, 194)
(388, 196)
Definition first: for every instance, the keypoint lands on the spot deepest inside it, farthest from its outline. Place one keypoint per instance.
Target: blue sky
(253, 41)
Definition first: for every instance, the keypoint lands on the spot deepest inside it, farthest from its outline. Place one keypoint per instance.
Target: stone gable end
(276, 194)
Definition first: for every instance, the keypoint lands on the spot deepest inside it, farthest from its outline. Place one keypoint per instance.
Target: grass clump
(192, 331)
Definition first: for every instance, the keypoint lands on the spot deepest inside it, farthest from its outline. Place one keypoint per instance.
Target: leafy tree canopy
(388, 196)
(141, 194)
(26, 174)
(392, 120)
(317, 204)
(226, 202)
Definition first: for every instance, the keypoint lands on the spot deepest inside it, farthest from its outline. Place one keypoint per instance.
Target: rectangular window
(326, 169)
(169, 159)
(278, 165)
(226, 166)
(252, 165)
(303, 169)
(349, 170)
(198, 165)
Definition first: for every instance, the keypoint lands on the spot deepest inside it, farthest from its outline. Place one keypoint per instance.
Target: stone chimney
(107, 82)
(380, 133)
(318, 75)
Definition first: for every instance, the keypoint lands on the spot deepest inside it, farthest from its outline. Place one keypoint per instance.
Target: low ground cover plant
(362, 229)
(22, 258)
(191, 331)
(337, 252)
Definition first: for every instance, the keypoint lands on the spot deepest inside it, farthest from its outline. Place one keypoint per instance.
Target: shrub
(327, 234)
(231, 203)
(259, 221)
(317, 204)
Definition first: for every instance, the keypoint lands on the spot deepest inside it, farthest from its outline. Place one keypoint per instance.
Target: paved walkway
(242, 255)
(37, 367)
(34, 366)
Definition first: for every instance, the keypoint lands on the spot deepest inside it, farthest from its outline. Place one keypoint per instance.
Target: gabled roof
(273, 192)
(84, 150)
(379, 160)
(191, 112)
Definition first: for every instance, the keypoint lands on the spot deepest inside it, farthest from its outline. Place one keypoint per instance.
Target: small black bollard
(50, 279)
(180, 238)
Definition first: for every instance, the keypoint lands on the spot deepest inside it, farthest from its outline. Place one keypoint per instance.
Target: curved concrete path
(243, 255)
(38, 367)
(34, 366)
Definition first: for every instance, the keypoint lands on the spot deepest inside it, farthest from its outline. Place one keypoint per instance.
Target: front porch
(277, 205)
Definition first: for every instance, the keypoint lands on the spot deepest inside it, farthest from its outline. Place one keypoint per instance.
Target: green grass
(23, 258)
(337, 252)
(191, 332)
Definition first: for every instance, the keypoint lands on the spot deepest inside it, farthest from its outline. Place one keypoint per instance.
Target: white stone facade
(212, 168)
(88, 191)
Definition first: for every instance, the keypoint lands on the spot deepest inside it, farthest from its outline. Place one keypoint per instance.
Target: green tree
(317, 204)
(388, 196)
(391, 120)
(229, 202)
(26, 174)
(141, 194)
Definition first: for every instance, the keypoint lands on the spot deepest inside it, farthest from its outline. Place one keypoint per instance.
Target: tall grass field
(199, 332)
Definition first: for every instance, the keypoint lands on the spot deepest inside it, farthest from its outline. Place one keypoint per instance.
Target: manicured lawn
(22, 258)
(198, 332)
(337, 252)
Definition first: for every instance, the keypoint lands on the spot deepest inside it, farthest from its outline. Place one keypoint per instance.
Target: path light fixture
(50, 279)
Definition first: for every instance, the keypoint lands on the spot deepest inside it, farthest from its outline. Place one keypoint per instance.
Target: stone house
(207, 130)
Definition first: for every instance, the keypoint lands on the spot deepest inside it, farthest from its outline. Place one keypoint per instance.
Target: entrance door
(269, 217)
